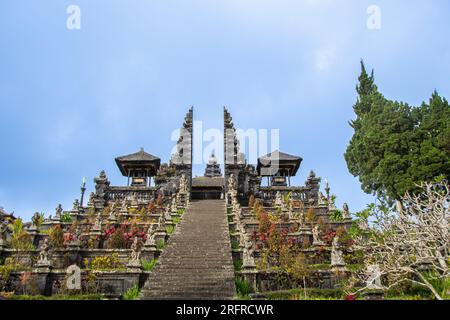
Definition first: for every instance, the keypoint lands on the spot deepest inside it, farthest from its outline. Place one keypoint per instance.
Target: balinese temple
(139, 167)
(211, 185)
(278, 167)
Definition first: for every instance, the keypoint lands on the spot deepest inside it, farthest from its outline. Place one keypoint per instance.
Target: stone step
(196, 263)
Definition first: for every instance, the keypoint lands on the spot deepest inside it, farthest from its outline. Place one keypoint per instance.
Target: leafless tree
(412, 242)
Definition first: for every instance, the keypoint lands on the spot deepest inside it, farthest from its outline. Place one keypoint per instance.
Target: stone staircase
(196, 263)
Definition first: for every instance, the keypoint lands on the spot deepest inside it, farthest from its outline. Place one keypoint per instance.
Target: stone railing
(131, 193)
(303, 194)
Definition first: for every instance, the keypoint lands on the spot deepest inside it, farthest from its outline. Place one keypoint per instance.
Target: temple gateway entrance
(210, 186)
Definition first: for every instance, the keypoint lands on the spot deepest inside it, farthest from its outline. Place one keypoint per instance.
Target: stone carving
(337, 258)
(374, 278)
(98, 223)
(91, 202)
(316, 236)
(135, 258)
(2, 235)
(346, 211)
(43, 258)
(76, 205)
(248, 259)
(232, 187)
(278, 200)
(58, 212)
(183, 184)
(173, 205)
(321, 199)
(150, 241)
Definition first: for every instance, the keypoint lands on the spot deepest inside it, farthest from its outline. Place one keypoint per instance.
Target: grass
(131, 294)
(148, 265)
(235, 245)
(237, 265)
(311, 294)
(176, 220)
(160, 245)
(243, 288)
(170, 229)
(58, 297)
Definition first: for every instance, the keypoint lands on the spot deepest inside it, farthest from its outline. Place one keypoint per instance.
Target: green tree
(395, 146)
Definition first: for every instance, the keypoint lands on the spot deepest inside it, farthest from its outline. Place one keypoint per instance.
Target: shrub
(170, 229)
(56, 235)
(176, 220)
(104, 263)
(132, 293)
(160, 245)
(66, 217)
(243, 288)
(237, 265)
(149, 265)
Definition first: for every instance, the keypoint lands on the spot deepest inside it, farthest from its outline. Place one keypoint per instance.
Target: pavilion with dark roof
(278, 167)
(139, 166)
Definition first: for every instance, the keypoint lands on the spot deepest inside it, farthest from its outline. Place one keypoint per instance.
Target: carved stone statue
(346, 211)
(321, 199)
(248, 259)
(91, 201)
(43, 258)
(374, 278)
(150, 241)
(232, 183)
(58, 211)
(316, 236)
(135, 258)
(183, 184)
(2, 235)
(173, 205)
(337, 258)
(76, 205)
(35, 220)
(278, 200)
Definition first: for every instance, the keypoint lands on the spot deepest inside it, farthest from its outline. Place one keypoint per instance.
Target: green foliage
(149, 265)
(180, 212)
(117, 240)
(56, 235)
(20, 239)
(170, 229)
(336, 216)
(312, 294)
(176, 220)
(234, 245)
(243, 288)
(132, 293)
(59, 297)
(66, 217)
(237, 265)
(104, 263)
(160, 245)
(396, 146)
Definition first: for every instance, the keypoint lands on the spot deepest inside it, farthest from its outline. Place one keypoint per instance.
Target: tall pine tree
(395, 146)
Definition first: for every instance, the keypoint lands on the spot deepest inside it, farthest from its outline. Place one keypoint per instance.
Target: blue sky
(71, 101)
